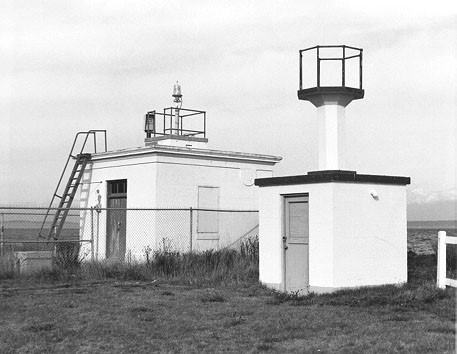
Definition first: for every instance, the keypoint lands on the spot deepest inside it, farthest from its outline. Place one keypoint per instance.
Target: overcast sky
(68, 66)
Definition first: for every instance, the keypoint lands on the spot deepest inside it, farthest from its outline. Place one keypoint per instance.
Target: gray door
(296, 244)
(116, 226)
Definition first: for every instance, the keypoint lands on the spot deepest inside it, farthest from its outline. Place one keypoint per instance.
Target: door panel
(116, 229)
(298, 221)
(296, 244)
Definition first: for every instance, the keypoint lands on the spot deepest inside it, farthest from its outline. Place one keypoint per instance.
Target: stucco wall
(172, 181)
(179, 180)
(370, 243)
(354, 240)
(140, 175)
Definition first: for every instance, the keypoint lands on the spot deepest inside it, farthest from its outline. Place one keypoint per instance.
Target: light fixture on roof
(177, 93)
(176, 125)
(178, 100)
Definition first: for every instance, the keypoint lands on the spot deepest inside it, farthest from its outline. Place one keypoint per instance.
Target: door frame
(111, 195)
(284, 198)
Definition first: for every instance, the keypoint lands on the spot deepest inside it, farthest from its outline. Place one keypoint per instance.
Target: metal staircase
(68, 193)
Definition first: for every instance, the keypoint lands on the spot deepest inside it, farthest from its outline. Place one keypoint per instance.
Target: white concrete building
(173, 170)
(332, 228)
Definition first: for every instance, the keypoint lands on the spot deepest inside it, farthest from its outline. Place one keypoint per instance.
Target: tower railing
(343, 58)
(158, 124)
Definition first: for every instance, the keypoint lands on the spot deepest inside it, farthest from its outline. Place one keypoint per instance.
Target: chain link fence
(28, 240)
(27, 244)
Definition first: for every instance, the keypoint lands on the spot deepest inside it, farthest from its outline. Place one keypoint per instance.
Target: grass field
(67, 313)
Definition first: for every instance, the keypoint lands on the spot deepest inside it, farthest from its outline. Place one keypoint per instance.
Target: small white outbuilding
(332, 228)
(329, 230)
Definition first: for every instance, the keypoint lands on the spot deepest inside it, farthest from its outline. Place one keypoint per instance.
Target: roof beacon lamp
(177, 93)
(176, 126)
(338, 70)
(178, 100)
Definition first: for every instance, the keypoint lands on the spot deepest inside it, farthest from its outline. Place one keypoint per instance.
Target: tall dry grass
(211, 266)
(223, 266)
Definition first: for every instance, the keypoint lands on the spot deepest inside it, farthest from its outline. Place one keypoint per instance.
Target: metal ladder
(74, 180)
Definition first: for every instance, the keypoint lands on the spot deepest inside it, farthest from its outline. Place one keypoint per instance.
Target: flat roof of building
(186, 152)
(327, 176)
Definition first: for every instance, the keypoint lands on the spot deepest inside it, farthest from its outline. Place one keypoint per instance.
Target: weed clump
(212, 296)
(7, 265)
(67, 256)
(223, 266)
(401, 298)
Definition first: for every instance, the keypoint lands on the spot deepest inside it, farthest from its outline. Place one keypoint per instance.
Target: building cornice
(332, 176)
(165, 150)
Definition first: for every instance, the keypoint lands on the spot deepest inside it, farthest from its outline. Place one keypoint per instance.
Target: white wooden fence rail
(441, 280)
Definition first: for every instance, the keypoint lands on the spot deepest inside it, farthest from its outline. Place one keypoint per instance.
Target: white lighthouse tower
(331, 101)
(332, 228)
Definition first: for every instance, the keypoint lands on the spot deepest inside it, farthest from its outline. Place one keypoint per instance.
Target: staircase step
(66, 199)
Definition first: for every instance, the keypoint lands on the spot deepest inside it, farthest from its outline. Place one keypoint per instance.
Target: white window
(208, 221)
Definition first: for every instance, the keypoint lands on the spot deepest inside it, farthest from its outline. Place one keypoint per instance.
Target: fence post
(98, 233)
(191, 227)
(92, 234)
(441, 261)
(2, 236)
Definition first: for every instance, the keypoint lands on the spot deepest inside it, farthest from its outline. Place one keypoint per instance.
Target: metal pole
(343, 63)
(301, 72)
(318, 68)
(176, 121)
(171, 122)
(54, 254)
(2, 236)
(360, 69)
(154, 123)
(98, 229)
(204, 125)
(191, 227)
(164, 121)
(92, 234)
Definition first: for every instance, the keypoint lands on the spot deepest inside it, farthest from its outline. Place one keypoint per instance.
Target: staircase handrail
(71, 156)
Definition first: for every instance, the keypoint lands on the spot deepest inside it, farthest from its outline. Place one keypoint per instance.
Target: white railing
(441, 280)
